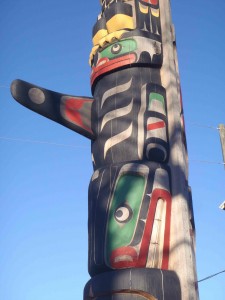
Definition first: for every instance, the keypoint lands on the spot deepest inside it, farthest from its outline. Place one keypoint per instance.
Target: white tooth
(123, 258)
(102, 63)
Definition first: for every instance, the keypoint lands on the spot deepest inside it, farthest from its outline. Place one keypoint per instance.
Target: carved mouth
(105, 65)
(124, 257)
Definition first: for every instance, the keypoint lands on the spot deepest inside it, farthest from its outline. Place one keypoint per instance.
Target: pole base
(134, 284)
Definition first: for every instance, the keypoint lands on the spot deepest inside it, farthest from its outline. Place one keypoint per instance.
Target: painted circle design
(36, 95)
(123, 214)
(116, 48)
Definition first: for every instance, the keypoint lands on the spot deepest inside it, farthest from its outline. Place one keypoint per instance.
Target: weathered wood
(182, 258)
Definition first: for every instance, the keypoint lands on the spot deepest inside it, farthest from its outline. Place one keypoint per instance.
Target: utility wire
(4, 86)
(75, 146)
(200, 125)
(206, 162)
(213, 275)
(39, 142)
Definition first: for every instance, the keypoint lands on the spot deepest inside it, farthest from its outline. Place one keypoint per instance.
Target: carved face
(123, 219)
(138, 229)
(126, 52)
(114, 56)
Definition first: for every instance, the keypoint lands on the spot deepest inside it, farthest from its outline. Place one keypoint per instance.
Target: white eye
(123, 214)
(116, 48)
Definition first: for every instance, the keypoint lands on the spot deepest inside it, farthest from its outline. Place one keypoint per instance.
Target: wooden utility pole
(222, 205)
(222, 140)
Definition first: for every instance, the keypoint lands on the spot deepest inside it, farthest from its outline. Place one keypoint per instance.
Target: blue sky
(43, 186)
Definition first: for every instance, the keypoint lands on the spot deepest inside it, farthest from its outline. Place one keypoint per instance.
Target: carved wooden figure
(141, 228)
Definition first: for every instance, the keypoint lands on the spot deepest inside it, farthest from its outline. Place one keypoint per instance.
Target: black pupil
(116, 48)
(119, 213)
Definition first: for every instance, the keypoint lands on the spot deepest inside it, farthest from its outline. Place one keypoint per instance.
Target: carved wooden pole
(141, 226)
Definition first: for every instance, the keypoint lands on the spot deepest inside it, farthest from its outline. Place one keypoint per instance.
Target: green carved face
(123, 214)
(117, 55)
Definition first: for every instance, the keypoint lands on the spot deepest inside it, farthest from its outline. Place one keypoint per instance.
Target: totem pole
(140, 220)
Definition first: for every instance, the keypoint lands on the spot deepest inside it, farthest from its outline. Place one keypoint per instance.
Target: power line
(75, 146)
(4, 86)
(213, 275)
(206, 162)
(204, 126)
(40, 142)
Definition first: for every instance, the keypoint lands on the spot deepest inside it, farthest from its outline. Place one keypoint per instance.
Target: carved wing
(70, 111)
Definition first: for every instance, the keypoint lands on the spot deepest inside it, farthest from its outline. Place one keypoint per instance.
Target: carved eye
(116, 48)
(123, 214)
